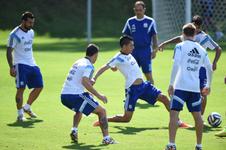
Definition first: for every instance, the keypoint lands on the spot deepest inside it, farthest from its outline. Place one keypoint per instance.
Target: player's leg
(176, 105)
(131, 95)
(74, 130)
(194, 106)
(198, 127)
(101, 113)
(149, 77)
(204, 102)
(19, 103)
(34, 81)
(126, 117)
(21, 80)
(203, 80)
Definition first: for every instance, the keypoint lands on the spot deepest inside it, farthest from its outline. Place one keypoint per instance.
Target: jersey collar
(23, 29)
(87, 58)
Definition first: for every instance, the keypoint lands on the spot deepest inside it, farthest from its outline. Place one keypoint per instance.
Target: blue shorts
(143, 58)
(145, 91)
(202, 77)
(28, 75)
(192, 99)
(83, 103)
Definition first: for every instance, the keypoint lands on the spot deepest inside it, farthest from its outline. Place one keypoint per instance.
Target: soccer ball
(214, 119)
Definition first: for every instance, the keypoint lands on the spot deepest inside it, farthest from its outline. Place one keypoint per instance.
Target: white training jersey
(73, 83)
(204, 40)
(189, 56)
(128, 66)
(21, 42)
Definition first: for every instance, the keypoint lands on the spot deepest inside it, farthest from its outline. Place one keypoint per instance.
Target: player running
(22, 65)
(189, 56)
(74, 97)
(206, 42)
(135, 86)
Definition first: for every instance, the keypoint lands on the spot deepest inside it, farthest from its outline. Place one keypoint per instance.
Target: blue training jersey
(141, 30)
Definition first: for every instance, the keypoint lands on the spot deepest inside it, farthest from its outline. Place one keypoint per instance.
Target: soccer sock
(106, 137)
(27, 106)
(172, 144)
(179, 122)
(199, 145)
(74, 129)
(20, 112)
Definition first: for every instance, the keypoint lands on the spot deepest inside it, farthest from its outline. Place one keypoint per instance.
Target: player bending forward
(74, 97)
(136, 88)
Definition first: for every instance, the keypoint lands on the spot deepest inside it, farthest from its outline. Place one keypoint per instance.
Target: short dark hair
(27, 15)
(91, 50)
(125, 40)
(139, 3)
(189, 29)
(197, 20)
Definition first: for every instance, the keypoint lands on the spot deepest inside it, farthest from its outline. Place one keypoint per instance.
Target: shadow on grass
(144, 105)
(26, 124)
(134, 130)
(206, 129)
(83, 146)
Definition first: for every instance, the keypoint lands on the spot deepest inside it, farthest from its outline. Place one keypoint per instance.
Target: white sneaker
(109, 141)
(21, 118)
(30, 113)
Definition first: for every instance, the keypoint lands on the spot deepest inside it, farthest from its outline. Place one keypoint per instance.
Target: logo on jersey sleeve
(194, 53)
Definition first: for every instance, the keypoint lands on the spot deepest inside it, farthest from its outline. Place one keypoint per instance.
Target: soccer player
(135, 87)
(143, 31)
(22, 65)
(74, 97)
(189, 56)
(206, 42)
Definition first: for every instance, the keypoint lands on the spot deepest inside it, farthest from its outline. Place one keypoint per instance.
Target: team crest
(145, 25)
(133, 28)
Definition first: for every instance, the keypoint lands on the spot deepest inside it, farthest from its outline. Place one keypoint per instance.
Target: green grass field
(148, 128)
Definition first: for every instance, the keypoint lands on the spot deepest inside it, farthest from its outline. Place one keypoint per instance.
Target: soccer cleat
(198, 148)
(221, 133)
(96, 124)
(184, 125)
(170, 147)
(109, 141)
(30, 113)
(21, 118)
(74, 136)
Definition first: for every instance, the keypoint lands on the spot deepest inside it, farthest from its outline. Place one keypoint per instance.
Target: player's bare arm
(10, 61)
(174, 40)
(101, 71)
(87, 84)
(216, 58)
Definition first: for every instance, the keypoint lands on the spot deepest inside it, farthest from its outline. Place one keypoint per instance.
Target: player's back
(205, 40)
(73, 82)
(190, 56)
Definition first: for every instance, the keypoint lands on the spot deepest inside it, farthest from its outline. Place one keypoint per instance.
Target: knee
(39, 89)
(163, 98)
(127, 118)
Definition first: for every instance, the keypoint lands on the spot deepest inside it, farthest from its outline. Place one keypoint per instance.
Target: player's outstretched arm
(10, 61)
(174, 40)
(217, 57)
(101, 71)
(88, 85)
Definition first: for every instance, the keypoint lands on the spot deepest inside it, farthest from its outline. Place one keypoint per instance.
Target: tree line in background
(67, 18)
